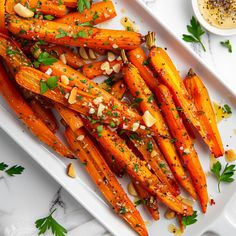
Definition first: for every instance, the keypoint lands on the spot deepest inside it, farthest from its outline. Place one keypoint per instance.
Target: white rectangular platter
(220, 218)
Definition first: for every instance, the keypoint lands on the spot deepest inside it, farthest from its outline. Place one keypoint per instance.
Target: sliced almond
(92, 55)
(65, 80)
(71, 171)
(72, 97)
(154, 153)
(111, 56)
(148, 119)
(116, 68)
(23, 11)
(185, 200)
(115, 46)
(62, 57)
(131, 190)
(91, 111)
(83, 53)
(170, 214)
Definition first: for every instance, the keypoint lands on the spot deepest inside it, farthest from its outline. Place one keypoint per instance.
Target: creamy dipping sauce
(219, 13)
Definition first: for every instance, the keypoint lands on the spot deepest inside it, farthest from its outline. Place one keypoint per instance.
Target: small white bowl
(208, 26)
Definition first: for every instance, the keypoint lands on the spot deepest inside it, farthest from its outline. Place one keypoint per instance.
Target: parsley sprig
(227, 44)
(189, 220)
(196, 32)
(12, 171)
(226, 175)
(44, 58)
(83, 4)
(49, 222)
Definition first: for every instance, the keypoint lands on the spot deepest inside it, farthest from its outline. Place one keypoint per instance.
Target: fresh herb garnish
(136, 167)
(12, 171)
(61, 34)
(51, 83)
(226, 175)
(189, 220)
(150, 146)
(196, 32)
(3, 166)
(227, 109)
(82, 4)
(123, 210)
(49, 222)
(99, 130)
(227, 44)
(48, 17)
(46, 59)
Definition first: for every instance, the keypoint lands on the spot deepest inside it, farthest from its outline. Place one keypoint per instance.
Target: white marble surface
(30, 196)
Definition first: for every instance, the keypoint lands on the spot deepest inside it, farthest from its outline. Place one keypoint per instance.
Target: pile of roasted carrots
(139, 121)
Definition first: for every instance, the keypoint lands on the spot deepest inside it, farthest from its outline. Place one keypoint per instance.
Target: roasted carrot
(104, 179)
(70, 3)
(79, 80)
(80, 36)
(28, 117)
(135, 167)
(12, 54)
(183, 144)
(118, 89)
(149, 201)
(70, 117)
(98, 68)
(141, 92)
(85, 103)
(206, 114)
(3, 28)
(97, 13)
(154, 158)
(45, 7)
(45, 114)
(65, 55)
(140, 60)
(168, 75)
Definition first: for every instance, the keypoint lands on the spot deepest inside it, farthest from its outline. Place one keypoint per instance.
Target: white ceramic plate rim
(81, 192)
(206, 25)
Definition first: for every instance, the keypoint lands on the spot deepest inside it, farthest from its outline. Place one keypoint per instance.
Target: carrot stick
(71, 59)
(104, 179)
(12, 54)
(3, 28)
(79, 36)
(98, 68)
(98, 13)
(45, 7)
(118, 89)
(206, 114)
(183, 144)
(135, 168)
(70, 117)
(79, 80)
(70, 3)
(152, 155)
(169, 76)
(149, 201)
(140, 60)
(28, 117)
(45, 114)
(140, 91)
(115, 111)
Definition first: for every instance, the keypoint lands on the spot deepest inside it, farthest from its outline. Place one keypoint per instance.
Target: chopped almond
(170, 214)
(71, 171)
(230, 155)
(148, 119)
